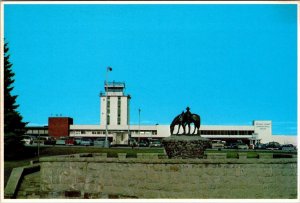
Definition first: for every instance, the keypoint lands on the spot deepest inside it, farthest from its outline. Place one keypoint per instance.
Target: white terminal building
(119, 129)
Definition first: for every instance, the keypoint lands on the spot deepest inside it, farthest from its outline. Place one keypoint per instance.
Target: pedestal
(185, 147)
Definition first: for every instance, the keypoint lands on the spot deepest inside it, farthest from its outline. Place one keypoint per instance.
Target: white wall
(114, 110)
(124, 110)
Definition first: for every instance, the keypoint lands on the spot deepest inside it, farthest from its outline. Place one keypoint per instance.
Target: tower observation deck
(114, 88)
(117, 105)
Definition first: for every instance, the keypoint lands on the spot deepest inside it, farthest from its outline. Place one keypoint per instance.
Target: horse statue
(184, 119)
(195, 119)
(178, 120)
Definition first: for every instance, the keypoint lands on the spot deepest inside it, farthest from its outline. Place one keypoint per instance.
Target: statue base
(185, 147)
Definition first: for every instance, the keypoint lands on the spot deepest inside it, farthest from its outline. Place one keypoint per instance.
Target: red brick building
(59, 126)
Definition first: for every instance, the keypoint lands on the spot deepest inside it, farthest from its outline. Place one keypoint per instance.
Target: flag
(109, 68)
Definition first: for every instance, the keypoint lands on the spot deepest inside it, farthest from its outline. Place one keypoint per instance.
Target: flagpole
(106, 144)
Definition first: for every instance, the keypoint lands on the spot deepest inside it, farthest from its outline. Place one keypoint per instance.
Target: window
(119, 110)
(108, 119)
(108, 102)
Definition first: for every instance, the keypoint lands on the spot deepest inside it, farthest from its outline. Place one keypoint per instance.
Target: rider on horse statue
(184, 119)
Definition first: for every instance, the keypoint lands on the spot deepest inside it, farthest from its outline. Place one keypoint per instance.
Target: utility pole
(38, 146)
(139, 126)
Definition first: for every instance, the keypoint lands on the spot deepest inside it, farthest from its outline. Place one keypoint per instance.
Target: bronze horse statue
(186, 119)
(178, 120)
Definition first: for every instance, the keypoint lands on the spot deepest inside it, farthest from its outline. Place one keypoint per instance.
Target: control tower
(117, 105)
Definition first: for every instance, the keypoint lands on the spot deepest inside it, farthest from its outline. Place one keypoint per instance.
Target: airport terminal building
(115, 117)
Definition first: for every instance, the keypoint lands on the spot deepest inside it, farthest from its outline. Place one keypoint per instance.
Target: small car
(260, 146)
(288, 147)
(39, 140)
(70, 141)
(50, 141)
(273, 146)
(132, 142)
(77, 140)
(155, 143)
(217, 144)
(86, 141)
(143, 143)
(99, 142)
(242, 146)
(27, 140)
(61, 141)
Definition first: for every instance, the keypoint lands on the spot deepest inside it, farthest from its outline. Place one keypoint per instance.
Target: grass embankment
(111, 152)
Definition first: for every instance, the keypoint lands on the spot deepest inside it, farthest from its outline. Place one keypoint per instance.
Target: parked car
(143, 143)
(50, 141)
(86, 141)
(99, 142)
(260, 146)
(41, 140)
(273, 146)
(61, 141)
(70, 141)
(132, 142)
(288, 147)
(231, 146)
(27, 140)
(77, 140)
(155, 143)
(242, 146)
(217, 144)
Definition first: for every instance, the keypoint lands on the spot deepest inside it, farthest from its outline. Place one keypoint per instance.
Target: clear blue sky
(231, 64)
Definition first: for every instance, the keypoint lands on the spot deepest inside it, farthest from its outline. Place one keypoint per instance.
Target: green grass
(111, 152)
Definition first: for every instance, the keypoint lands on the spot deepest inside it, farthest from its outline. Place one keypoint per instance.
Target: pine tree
(14, 127)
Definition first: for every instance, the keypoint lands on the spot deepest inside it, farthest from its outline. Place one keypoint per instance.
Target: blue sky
(231, 64)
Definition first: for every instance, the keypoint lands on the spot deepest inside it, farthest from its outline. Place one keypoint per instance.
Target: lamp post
(38, 145)
(106, 143)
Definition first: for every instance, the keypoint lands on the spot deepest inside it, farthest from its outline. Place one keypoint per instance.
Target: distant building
(59, 126)
(117, 119)
(36, 130)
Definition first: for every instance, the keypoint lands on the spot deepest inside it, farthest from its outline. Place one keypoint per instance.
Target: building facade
(115, 117)
(59, 126)
(116, 103)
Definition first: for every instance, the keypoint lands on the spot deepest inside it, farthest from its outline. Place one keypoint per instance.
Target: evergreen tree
(14, 127)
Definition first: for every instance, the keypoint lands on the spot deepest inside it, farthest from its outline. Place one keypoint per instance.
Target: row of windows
(154, 132)
(41, 131)
(108, 111)
(119, 110)
(226, 132)
(144, 132)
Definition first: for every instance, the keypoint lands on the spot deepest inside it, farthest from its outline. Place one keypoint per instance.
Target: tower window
(119, 110)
